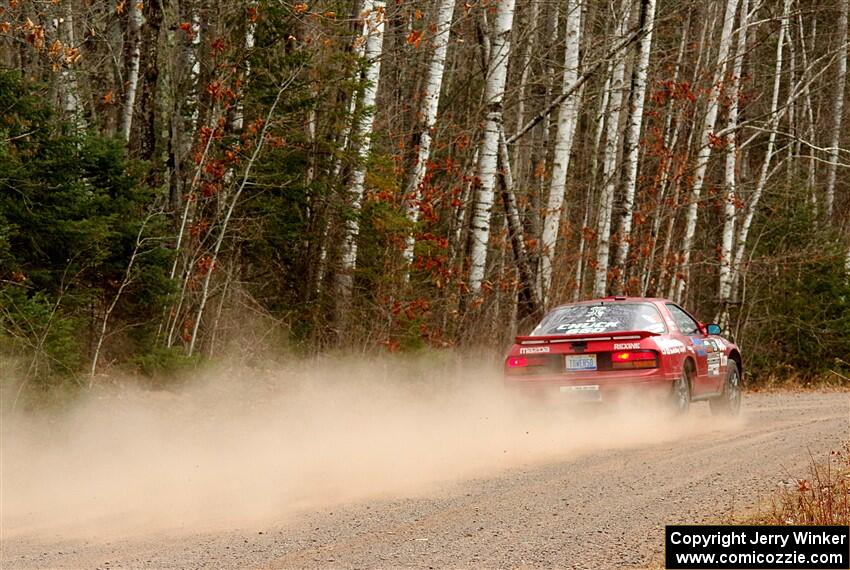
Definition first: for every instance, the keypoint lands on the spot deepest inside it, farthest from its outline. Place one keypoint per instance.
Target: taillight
(634, 359)
(521, 365)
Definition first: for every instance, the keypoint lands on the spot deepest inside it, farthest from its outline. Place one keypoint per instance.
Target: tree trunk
(428, 112)
(134, 35)
(609, 172)
(358, 49)
(672, 128)
(639, 80)
(704, 151)
(69, 87)
(837, 108)
(730, 173)
(146, 138)
(764, 174)
(250, 39)
(583, 246)
(529, 302)
(810, 118)
(567, 120)
(374, 28)
(494, 89)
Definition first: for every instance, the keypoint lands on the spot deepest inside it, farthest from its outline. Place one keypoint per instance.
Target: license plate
(582, 393)
(576, 362)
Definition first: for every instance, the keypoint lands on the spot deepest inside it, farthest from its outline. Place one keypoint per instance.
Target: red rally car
(601, 349)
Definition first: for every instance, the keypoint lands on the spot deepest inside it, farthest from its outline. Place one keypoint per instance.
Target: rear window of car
(602, 318)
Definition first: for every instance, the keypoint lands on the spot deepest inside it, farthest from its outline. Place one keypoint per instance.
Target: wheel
(680, 394)
(729, 402)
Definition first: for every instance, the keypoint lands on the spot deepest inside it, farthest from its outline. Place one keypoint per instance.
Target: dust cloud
(242, 446)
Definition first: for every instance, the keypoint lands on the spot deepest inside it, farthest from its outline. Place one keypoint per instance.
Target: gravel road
(599, 509)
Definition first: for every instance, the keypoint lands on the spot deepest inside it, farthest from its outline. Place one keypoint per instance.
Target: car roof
(616, 299)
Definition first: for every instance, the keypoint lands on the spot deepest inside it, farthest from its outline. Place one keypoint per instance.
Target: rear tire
(729, 402)
(680, 393)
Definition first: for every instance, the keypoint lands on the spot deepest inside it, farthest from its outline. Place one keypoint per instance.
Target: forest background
(193, 180)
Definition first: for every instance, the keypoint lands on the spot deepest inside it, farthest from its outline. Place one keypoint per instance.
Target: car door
(694, 340)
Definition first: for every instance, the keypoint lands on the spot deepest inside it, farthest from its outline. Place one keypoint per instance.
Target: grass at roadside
(823, 498)
(793, 382)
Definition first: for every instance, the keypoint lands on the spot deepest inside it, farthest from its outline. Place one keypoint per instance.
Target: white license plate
(577, 362)
(582, 393)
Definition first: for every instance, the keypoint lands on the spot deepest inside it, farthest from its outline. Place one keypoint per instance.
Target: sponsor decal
(626, 345)
(713, 364)
(534, 349)
(671, 346)
(587, 328)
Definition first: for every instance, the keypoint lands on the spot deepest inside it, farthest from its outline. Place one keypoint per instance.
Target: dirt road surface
(596, 509)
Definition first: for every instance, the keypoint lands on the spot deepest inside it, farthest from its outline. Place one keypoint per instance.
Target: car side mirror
(713, 329)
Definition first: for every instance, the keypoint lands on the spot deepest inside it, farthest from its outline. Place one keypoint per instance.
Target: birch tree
(494, 91)
(68, 85)
(633, 130)
(730, 169)
(134, 32)
(567, 120)
(609, 162)
(374, 17)
(428, 112)
(764, 174)
(704, 151)
(837, 107)
(250, 41)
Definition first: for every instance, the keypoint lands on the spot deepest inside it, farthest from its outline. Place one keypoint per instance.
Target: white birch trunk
(764, 174)
(609, 162)
(374, 17)
(567, 120)
(135, 27)
(194, 64)
(494, 91)
(581, 269)
(671, 139)
(730, 170)
(837, 108)
(847, 263)
(704, 151)
(359, 49)
(430, 105)
(633, 138)
(250, 42)
(808, 108)
(69, 87)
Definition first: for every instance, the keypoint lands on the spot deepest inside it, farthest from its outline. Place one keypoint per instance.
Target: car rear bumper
(599, 386)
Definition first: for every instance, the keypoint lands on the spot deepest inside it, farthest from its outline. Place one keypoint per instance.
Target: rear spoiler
(558, 338)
